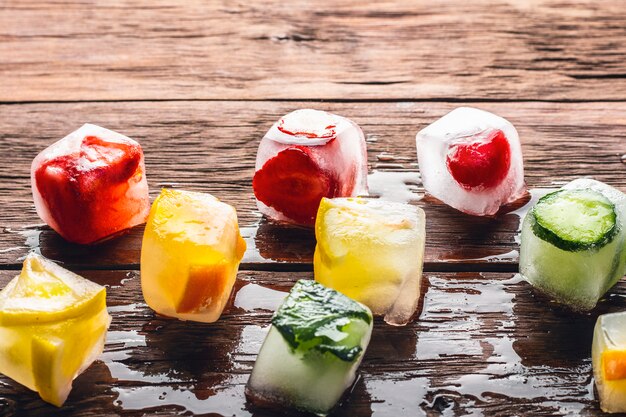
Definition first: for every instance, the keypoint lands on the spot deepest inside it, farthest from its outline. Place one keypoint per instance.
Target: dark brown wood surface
(198, 83)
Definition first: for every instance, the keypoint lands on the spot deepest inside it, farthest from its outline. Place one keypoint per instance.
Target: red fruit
(85, 191)
(293, 184)
(482, 160)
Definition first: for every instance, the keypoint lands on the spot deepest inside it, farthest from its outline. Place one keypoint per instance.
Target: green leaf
(316, 317)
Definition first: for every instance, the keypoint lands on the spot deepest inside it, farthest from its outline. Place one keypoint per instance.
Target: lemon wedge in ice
(53, 325)
(372, 251)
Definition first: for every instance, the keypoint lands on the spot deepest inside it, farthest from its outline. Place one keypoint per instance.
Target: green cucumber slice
(575, 219)
(319, 318)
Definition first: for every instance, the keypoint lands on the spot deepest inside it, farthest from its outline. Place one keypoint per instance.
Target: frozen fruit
(292, 183)
(90, 185)
(608, 354)
(482, 160)
(372, 250)
(190, 255)
(471, 160)
(307, 155)
(53, 325)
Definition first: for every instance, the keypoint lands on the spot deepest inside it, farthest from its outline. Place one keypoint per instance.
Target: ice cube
(306, 155)
(53, 325)
(91, 184)
(608, 354)
(372, 250)
(573, 243)
(190, 255)
(471, 160)
(312, 351)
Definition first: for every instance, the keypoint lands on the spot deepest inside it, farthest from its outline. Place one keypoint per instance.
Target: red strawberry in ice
(88, 193)
(293, 184)
(480, 161)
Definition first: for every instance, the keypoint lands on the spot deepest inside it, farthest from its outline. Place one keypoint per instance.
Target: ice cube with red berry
(91, 184)
(306, 155)
(471, 160)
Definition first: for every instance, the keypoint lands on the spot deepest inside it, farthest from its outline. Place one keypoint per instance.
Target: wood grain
(199, 82)
(390, 50)
(210, 147)
(484, 343)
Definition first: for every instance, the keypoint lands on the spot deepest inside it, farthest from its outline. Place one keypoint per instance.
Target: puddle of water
(31, 235)
(129, 276)
(270, 242)
(127, 308)
(395, 186)
(252, 297)
(389, 165)
(396, 395)
(512, 255)
(474, 321)
(223, 400)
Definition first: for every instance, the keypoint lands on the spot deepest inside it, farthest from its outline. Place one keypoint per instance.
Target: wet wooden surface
(198, 84)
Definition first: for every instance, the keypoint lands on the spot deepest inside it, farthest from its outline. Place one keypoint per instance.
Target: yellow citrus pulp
(53, 325)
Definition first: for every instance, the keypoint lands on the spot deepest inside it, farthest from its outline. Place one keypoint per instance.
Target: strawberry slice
(84, 191)
(480, 161)
(293, 184)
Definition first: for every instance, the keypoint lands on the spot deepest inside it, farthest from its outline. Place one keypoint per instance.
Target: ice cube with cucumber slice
(573, 243)
(312, 351)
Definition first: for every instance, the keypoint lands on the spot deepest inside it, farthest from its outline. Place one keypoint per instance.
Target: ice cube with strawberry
(471, 160)
(305, 156)
(91, 184)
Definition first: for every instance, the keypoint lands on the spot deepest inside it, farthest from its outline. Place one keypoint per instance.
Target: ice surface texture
(463, 165)
(91, 184)
(190, 255)
(609, 341)
(307, 155)
(372, 250)
(577, 278)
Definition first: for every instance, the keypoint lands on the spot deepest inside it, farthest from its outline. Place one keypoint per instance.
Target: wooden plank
(211, 147)
(453, 49)
(484, 344)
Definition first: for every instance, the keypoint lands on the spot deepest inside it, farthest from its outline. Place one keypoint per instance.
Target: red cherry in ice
(293, 184)
(482, 160)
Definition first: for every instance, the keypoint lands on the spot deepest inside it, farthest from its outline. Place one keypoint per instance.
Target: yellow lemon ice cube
(53, 325)
(190, 255)
(372, 250)
(608, 354)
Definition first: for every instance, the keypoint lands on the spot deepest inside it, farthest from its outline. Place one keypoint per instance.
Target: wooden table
(199, 84)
